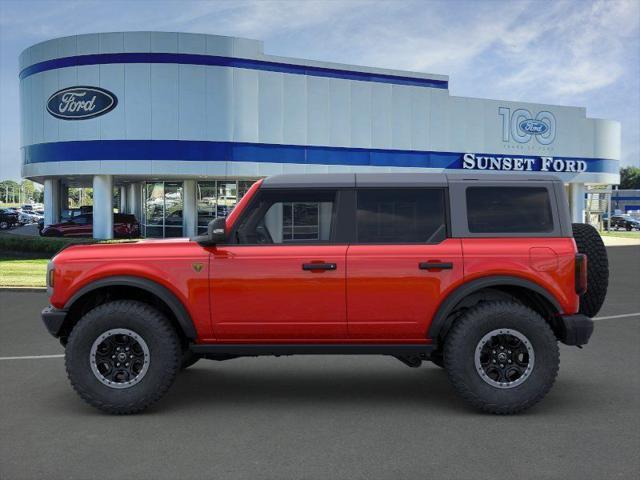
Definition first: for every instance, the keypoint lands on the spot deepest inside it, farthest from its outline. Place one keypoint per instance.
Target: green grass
(21, 272)
(620, 234)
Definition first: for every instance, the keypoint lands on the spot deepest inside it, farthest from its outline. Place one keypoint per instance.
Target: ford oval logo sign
(534, 127)
(81, 103)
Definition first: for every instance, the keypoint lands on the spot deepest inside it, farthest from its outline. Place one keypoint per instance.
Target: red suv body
(393, 264)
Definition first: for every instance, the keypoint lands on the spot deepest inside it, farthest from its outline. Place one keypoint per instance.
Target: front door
(401, 264)
(282, 276)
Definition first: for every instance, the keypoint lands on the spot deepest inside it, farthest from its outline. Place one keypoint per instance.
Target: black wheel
(4, 225)
(629, 228)
(501, 357)
(188, 359)
(122, 356)
(589, 242)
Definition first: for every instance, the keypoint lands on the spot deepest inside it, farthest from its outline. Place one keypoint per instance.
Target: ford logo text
(535, 127)
(81, 103)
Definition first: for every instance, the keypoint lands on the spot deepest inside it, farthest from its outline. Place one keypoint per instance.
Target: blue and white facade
(195, 112)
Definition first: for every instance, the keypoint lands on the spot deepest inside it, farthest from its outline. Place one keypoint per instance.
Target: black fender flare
(441, 321)
(154, 288)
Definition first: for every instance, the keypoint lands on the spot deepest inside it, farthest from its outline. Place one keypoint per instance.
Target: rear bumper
(575, 329)
(54, 320)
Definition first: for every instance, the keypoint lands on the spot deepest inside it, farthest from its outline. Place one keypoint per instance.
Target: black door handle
(319, 266)
(435, 265)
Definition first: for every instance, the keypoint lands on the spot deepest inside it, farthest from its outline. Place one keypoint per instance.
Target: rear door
(283, 278)
(401, 263)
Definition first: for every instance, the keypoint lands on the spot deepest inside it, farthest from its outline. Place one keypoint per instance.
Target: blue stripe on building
(211, 60)
(263, 152)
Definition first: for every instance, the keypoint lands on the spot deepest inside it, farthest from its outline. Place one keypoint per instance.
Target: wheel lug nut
(126, 364)
(501, 365)
(128, 349)
(118, 364)
(501, 348)
(493, 351)
(494, 360)
(113, 356)
(509, 361)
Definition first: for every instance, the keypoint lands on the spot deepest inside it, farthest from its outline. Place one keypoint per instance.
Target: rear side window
(509, 210)
(414, 215)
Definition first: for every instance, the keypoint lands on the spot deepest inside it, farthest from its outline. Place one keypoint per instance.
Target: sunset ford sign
(81, 103)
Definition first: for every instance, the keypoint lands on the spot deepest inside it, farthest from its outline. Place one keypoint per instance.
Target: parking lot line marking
(624, 315)
(32, 357)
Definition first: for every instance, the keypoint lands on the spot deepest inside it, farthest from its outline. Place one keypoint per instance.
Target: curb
(23, 289)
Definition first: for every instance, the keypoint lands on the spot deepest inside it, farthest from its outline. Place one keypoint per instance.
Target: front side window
(289, 218)
(412, 215)
(509, 210)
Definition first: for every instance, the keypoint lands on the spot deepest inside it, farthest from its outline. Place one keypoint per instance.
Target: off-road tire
(161, 338)
(188, 358)
(589, 242)
(463, 339)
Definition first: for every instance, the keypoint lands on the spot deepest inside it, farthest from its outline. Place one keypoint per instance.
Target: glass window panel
(401, 216)
(298, 218)
(207, 204)
(509, 210)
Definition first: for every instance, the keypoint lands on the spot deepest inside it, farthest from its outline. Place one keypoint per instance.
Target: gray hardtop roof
(400, 179)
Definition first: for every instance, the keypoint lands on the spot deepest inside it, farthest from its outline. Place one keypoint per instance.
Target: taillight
(581, 273)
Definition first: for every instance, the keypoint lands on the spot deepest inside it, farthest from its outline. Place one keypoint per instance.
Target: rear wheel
(501, 357)
(122, 356)
(589, 242)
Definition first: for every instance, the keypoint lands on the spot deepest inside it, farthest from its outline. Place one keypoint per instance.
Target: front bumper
(54, 320)
(575, 329)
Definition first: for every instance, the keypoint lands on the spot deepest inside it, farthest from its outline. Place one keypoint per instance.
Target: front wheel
(122, 356)
(501, 357)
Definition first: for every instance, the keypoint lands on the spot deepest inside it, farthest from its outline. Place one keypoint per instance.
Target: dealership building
(179, 125)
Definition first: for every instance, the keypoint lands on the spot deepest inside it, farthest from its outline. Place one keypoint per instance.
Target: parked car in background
(8, 218)
(124, 226)
(27, 217)
(624, 221)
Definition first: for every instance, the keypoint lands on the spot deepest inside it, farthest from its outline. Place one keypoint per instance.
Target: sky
(579, 53)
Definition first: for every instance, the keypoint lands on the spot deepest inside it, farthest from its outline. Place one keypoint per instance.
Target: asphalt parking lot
(326, 417)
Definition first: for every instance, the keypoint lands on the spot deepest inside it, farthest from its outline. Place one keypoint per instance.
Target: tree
(28, 190)
(630, 178)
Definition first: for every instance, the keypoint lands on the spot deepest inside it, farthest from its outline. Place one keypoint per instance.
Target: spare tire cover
(590, 243)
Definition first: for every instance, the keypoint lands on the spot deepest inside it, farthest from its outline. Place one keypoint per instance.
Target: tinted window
(288, 218)
(401, 216)
(83, 219)
(509, 210)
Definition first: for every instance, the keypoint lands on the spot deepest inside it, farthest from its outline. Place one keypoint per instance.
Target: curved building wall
(218, 106)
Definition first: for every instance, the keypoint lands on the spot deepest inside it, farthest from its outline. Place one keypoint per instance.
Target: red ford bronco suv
(481, 275)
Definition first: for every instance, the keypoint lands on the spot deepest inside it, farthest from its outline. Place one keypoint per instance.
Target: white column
(134, 200)
(577, 202)
(123, 199)
(51, 201)
(189, 210)
(103, 207)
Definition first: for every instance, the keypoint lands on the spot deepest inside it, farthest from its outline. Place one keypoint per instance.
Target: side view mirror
(217, 231)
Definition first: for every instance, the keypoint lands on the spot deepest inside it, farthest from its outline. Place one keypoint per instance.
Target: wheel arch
(526, 291)
(132, 287)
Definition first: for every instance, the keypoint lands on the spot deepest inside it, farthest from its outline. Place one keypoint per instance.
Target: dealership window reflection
(162, 212)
